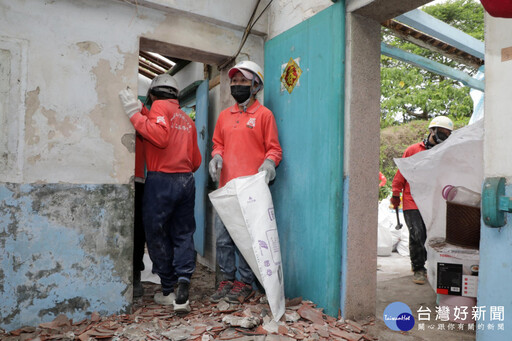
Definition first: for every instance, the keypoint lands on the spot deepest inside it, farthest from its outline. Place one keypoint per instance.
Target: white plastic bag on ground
(402, 246)
(387, 229)
(245, 207)
(385, 238)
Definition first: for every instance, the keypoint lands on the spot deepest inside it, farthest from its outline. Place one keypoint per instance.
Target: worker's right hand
(395, 201)
(215, 167)
(131, 104)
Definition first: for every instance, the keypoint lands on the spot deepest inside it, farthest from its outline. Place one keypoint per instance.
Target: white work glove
(269, 166)
(215, 167)
(131, 104)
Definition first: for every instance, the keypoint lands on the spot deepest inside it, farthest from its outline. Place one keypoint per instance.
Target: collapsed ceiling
(152, 64)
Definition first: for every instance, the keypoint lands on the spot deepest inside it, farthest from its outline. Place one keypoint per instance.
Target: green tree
(408, 92)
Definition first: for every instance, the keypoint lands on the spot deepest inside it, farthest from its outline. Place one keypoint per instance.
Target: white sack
(458, 161)
(402, 247)
(385, 239)
(385, 243)
(245, 207)
(387, 227)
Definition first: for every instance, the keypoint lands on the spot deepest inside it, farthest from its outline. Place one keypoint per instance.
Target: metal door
(308, 190)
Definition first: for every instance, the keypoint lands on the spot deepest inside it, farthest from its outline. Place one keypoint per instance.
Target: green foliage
(411, 97)
(464, 15)
(192, 115)
(408, 92)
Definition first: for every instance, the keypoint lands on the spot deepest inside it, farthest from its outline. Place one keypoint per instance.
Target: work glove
(269, 166)
(395, 201)
(131, 104)
(215, 167)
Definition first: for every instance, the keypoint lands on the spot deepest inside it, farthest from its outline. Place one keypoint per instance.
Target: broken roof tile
(309, 313)
(207, 321)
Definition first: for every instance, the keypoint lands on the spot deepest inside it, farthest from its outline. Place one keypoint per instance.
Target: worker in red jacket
(245, 142)
(440, 129)
(172, 155)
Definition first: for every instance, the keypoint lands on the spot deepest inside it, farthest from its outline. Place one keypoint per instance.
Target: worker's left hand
(131, 104)
(269, 166)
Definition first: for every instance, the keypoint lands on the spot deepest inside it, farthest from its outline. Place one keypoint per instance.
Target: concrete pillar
(362, 137)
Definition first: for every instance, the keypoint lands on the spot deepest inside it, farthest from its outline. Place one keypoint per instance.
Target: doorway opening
(394, 270)
(199, 97)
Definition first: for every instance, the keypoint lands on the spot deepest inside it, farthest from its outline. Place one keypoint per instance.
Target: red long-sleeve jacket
(400, 183)
(245, 140)
(170, 138)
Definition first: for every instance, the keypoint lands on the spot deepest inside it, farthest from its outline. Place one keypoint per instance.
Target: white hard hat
(247, 65)
(164, 80)
(442, 122)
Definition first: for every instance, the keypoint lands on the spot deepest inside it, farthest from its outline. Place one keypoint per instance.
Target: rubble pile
(250, 320)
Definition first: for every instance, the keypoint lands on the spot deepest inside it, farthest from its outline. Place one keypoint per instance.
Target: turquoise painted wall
(495, 279)
(64, 249)
(308, 190)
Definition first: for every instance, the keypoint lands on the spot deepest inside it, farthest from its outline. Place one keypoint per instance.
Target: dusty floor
(250, 320)
(207, 321)
(394, 283)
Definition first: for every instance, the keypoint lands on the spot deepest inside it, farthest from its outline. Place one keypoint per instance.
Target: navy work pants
(417, 238)
(168, 214)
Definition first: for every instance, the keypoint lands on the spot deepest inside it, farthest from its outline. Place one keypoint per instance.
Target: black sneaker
(181, 303)
(239, 293)
(223, 289)
(138, 289)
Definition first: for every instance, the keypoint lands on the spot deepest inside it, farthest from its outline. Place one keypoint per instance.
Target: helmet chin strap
(244, 104)
(427, 143)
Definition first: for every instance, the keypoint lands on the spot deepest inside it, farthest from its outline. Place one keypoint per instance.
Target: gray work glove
(215, 167)
(131, 103)
(269, 166)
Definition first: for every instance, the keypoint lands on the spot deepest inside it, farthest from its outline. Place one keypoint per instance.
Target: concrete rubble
(250, 320)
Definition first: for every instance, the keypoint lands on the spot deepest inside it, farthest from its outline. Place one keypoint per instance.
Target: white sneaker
(182, 308)
(164, 300)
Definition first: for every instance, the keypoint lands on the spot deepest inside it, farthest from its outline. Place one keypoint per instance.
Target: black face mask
(241, 93)
(440, 136)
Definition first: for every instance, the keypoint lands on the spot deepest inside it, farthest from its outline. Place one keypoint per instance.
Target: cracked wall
(66, 249)
(66, 203)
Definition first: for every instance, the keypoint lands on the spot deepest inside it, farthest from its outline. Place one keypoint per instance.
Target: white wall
(284, 14)
(229, 13)
(189, 74)
(71, 59)
(498, 99)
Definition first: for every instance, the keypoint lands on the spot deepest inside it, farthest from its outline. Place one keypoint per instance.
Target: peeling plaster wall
(284, 14)
(72, 125)
(76, 66)
(66, 201)
(65, 249)
(13, 55)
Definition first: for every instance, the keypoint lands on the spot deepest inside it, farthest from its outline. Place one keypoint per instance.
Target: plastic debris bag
(457, 161)
(245, 207)
(387, 226)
